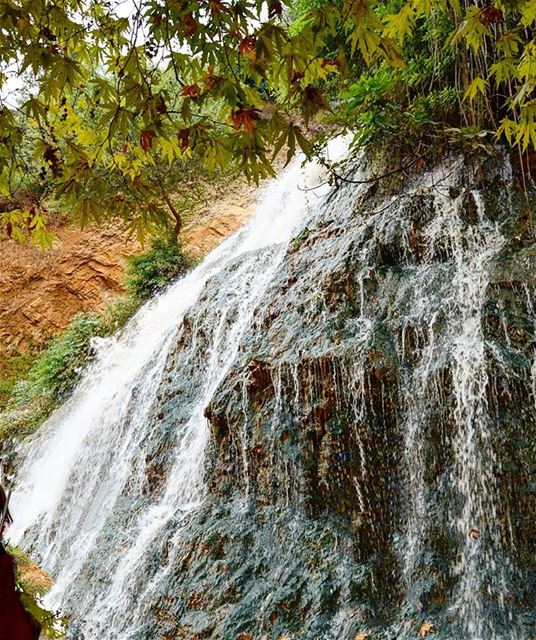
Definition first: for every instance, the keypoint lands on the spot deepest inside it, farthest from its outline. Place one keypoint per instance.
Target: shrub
(12, 369)
(150, 271)
(53, 373)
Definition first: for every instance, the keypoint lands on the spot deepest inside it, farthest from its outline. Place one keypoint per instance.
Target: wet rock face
(371, 462)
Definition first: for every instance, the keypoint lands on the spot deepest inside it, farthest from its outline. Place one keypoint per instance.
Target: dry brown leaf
(361, 635)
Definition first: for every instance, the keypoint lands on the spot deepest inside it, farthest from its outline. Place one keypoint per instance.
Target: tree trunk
(176, 216)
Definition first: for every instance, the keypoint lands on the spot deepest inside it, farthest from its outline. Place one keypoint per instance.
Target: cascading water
(366, 362)
(89, 461)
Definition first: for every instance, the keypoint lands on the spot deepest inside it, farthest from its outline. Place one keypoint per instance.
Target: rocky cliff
(371, 468)
(40, 291)
(365, 467)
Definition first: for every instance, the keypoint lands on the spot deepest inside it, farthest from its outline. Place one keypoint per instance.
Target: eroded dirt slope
(40, 291)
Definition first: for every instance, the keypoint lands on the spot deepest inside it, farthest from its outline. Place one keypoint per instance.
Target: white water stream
(92, 452)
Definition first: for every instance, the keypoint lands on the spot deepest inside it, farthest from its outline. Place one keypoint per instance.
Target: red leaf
(312, 94)
(191, 91)
(491, 15)
(212, 81)
(146, 139)
(191, 23)
(245, 117)
(247, 46)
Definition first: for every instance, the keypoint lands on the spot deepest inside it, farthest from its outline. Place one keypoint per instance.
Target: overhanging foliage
(115, 100)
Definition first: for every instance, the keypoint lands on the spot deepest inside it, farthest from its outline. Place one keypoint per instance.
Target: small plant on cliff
(150, 271)
(51, 377)
(53, 373)
(12, 369)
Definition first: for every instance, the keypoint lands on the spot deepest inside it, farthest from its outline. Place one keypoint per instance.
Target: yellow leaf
(87, 137)
(526, 134)
(366, 40)
(472, 30)
(169, 149)
(507, 128)
(426, 628)
(422, 7)
(502, 70)
(528, 13)
(477, 86)
(392, 53)
(361, 635)
(400, 24)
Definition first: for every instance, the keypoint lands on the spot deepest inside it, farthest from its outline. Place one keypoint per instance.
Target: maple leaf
(247, 46)
(212, 81)
(361, 635)
(191, 91)
(217, 7)
(146, 139)
(312, 102)
(245, 117)
(491, 15)
(50, 155)
(191, 23)
(426, 628)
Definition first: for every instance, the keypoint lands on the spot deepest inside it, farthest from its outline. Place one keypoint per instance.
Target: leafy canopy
(114, 100)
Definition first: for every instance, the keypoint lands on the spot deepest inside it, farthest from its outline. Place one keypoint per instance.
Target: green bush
(53, 373)
(150, 271)
(12, 369)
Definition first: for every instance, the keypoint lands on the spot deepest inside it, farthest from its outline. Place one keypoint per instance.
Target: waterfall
(88, 464)
(332, 415)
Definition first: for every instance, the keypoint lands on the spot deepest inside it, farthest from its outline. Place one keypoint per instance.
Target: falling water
(438, 247)
(89, 461)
